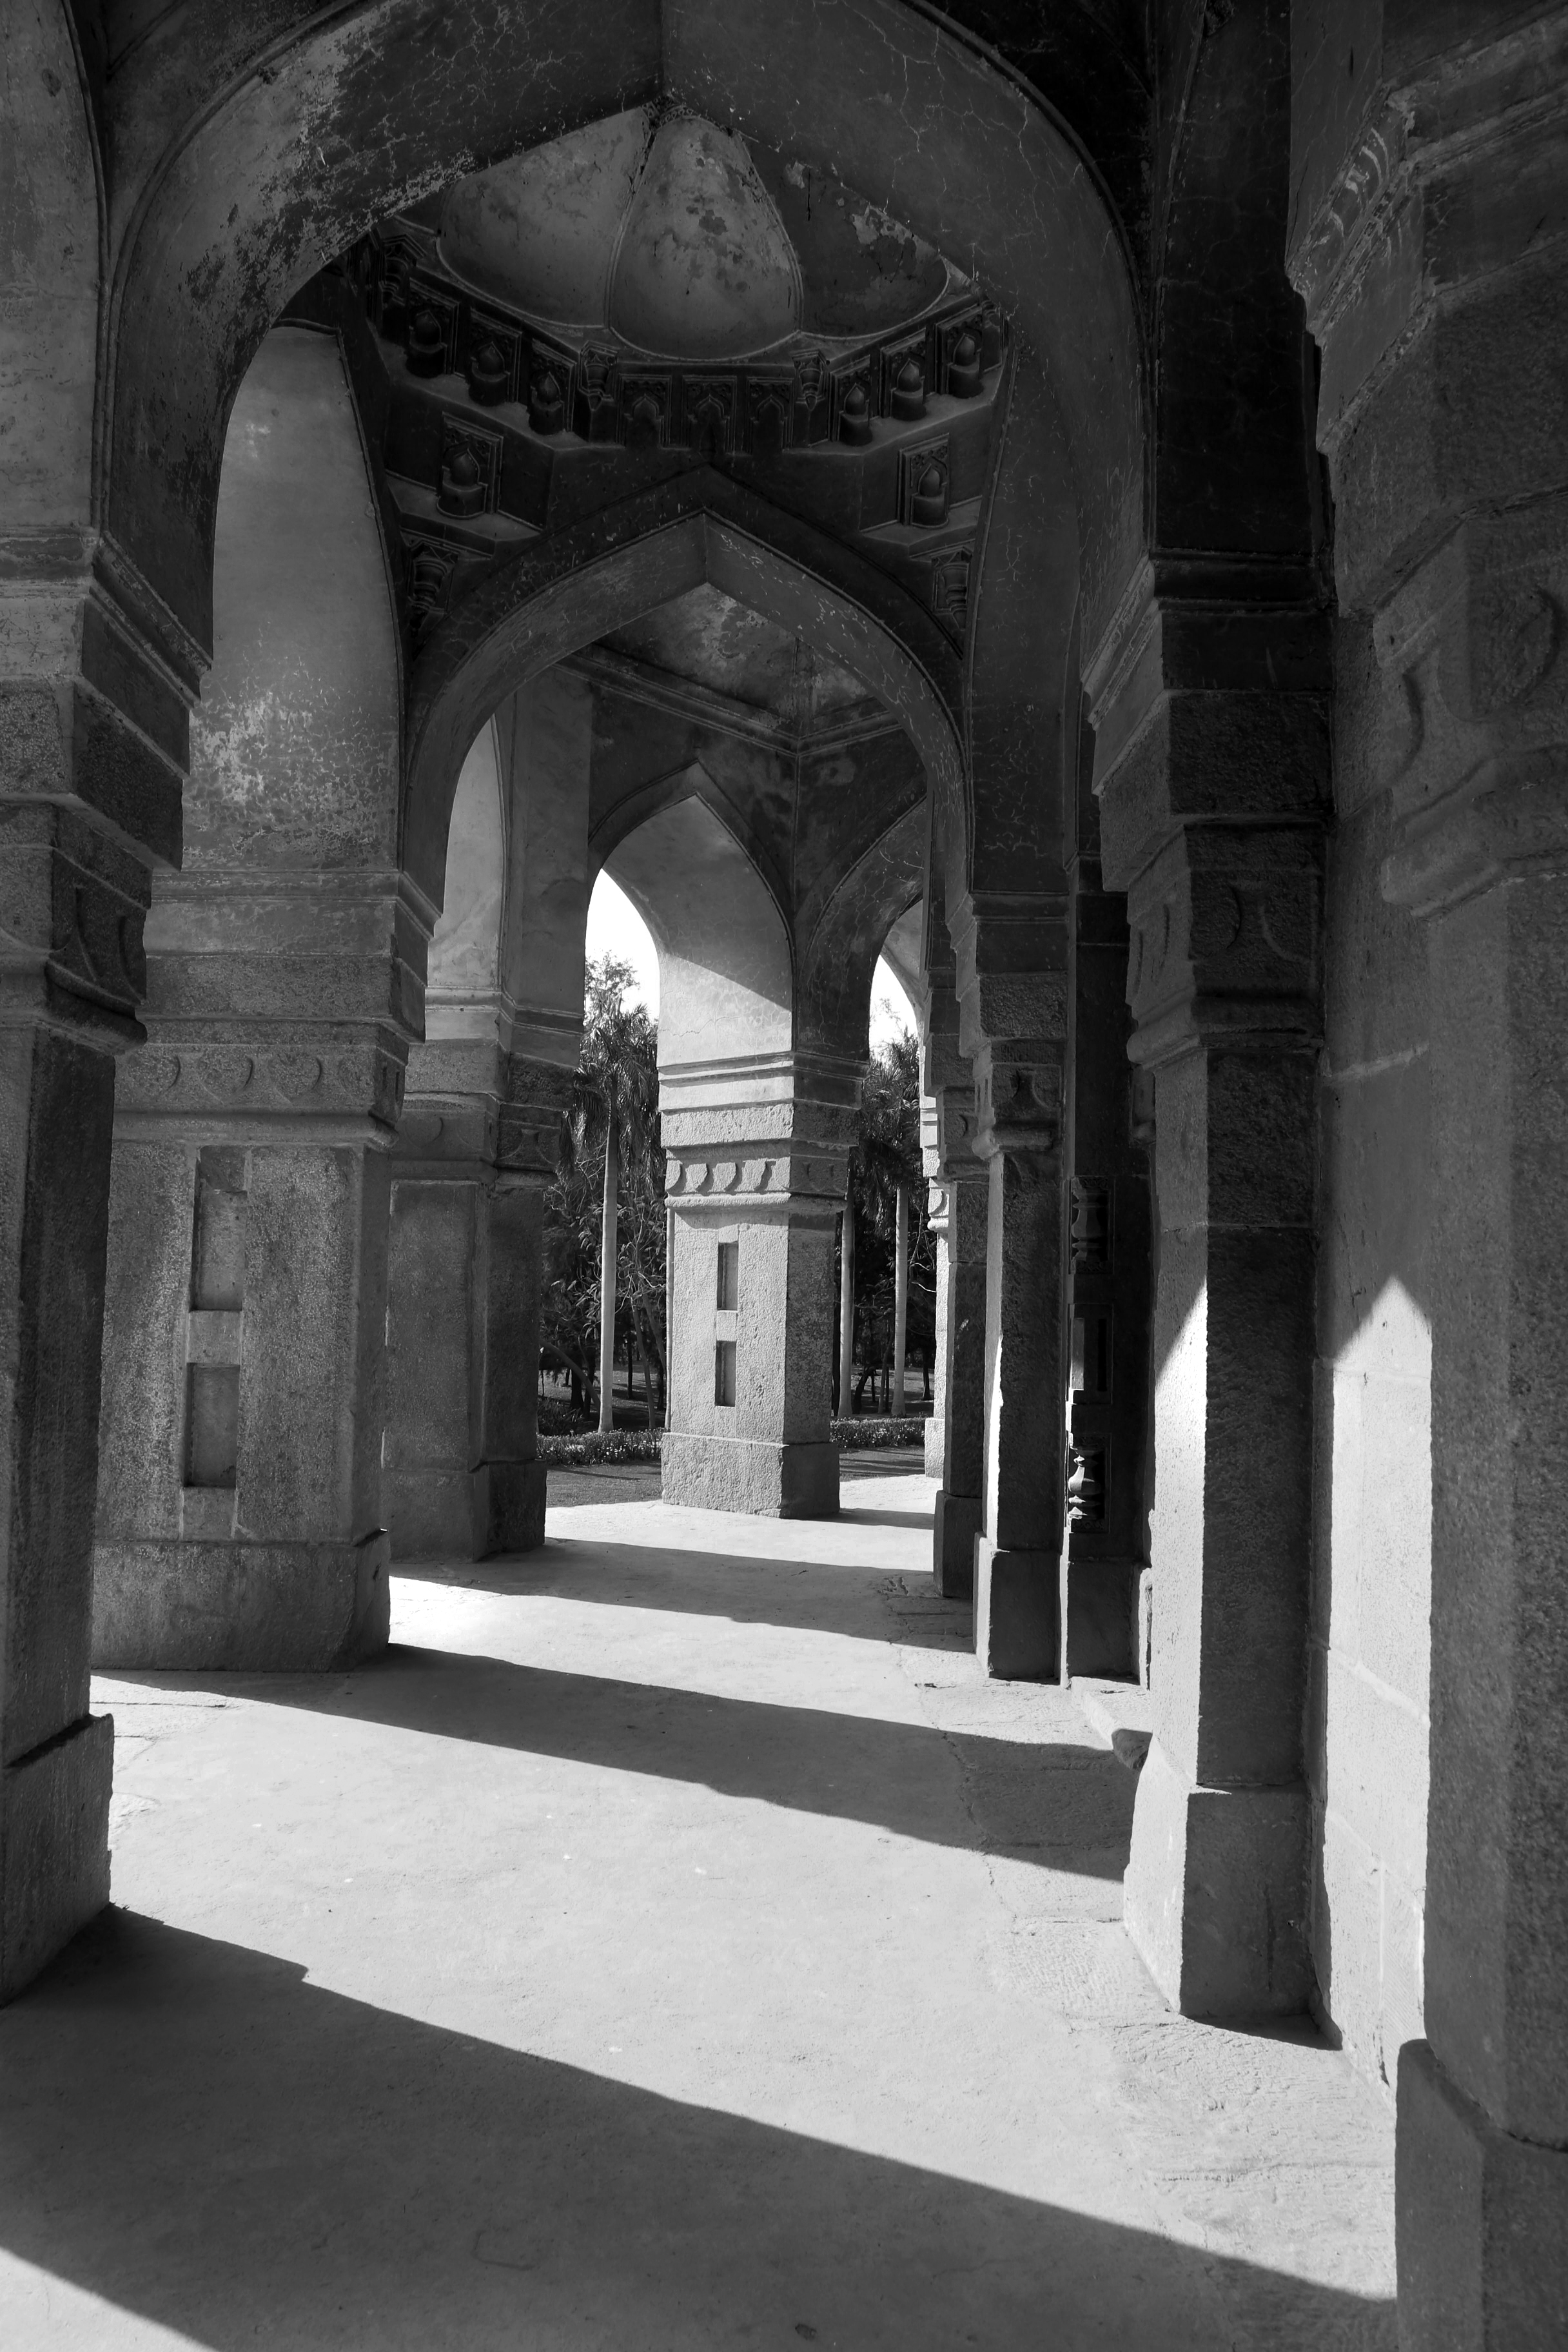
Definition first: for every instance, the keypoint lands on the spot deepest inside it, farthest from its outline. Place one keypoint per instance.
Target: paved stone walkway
(672, 1944)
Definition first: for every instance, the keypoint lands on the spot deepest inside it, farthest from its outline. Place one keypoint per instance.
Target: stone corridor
(673, 1941)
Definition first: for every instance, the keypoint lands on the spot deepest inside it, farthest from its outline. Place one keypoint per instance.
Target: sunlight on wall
(892, 1015)
(615, 928)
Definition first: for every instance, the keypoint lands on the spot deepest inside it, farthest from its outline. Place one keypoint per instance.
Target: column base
(53, 1836)
(1015, 1613)
(445, 1513)
(507, 1507)
(954, 1528)
(1215, 1893)
(268, 1608)
(741, 1473)
(1482, 2223)
(1099, 1617)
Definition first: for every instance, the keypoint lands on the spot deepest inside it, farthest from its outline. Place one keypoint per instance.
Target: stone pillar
(474, 1155)
(757, 1169)
(240, 1517)
(1014, 1032)
(1440, 302)
(1111, 1276)
(1212, 767)
(955, 1434)
(93, 742)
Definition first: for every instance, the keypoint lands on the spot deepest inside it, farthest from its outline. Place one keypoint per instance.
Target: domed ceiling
(678, 241)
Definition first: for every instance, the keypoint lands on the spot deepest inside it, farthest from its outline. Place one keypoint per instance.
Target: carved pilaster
(1212, 770)
(96, 684)
(1435, 272)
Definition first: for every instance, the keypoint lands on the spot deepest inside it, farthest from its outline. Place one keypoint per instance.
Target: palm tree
(615, 1106)
(884, 1172)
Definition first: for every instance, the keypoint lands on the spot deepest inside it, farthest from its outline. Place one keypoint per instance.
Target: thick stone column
(474, 1155)
(1012, 995)
(94, 687)
(1212, 760)
(757, 1168)
(1110, 1279)
(239, 1519)
(956, 1433)
(1437, 283)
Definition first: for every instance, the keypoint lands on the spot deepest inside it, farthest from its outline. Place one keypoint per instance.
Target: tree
(884, 1179)
(605, 1219)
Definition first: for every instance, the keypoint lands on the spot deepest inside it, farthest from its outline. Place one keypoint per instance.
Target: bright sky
(614, 928)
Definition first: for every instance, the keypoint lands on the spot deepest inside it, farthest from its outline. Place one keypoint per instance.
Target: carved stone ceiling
(681, 241)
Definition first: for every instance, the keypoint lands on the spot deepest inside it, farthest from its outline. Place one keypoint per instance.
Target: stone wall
(1367, 1705)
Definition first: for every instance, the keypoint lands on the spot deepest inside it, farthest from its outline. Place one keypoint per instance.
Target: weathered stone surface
(240, 1606)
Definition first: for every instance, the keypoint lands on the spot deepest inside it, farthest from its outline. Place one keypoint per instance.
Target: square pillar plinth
(240, 1495)
(751, 1351)
(57, 1097)
(461, 1474)
(1482, 2223)
(956, 1437)
(1018, 1554)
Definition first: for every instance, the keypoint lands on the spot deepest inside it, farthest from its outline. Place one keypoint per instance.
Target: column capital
(765, 1131)
(1474, 693)
(1430, 257)
(1211, 757)
(473, 1109)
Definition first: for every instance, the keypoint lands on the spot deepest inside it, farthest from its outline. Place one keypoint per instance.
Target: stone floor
(670, 1944)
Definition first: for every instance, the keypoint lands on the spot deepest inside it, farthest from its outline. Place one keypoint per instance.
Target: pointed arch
(290, 151)
(564, 592)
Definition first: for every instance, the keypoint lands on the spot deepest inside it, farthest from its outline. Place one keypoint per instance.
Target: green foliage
(616, 1090)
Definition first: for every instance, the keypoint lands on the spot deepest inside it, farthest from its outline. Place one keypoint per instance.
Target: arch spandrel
(50, 248)
(332, 127)
(563, 594)
(839, 957)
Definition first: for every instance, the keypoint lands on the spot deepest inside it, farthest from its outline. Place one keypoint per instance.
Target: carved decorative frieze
(786, 1176)
(709, 408)
(471, 468)
(646, 408)
(924, 475)
(200, 1076)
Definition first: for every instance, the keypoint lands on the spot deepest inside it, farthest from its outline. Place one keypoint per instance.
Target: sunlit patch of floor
(673, 1942)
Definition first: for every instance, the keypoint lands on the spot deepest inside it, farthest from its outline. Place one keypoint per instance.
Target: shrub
(872, 1434)
(597, 1445)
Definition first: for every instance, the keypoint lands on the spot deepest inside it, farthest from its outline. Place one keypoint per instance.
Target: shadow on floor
(868, 1516)
(1064, 1807)
(857, 1601)
(196, 2132)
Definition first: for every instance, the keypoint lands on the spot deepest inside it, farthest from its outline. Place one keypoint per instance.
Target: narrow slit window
(728, 1277)
(724, 1372)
